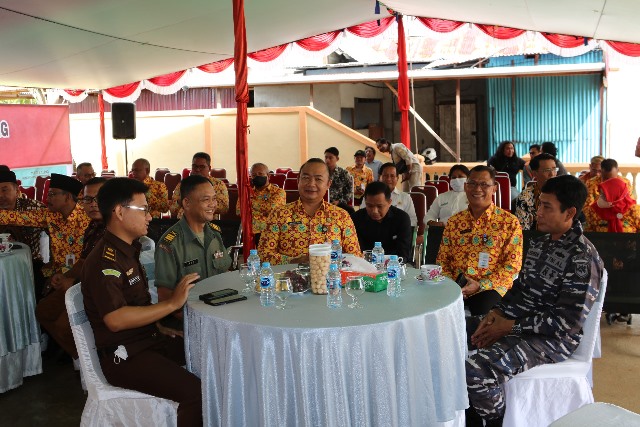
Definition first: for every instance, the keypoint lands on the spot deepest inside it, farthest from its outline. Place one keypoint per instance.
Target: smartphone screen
(461, 280)
(218, 294)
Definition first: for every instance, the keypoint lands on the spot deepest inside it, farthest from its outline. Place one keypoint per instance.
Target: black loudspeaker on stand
(123, 122)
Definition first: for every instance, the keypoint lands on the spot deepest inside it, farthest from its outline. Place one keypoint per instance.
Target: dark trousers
(480, 303)
(158, 371)
(52, 315)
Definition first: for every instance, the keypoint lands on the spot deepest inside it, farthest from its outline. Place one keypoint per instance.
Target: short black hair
(535, 162)
(607, 165)
(332, 150)
(4, 168)
(459, 167)
(314, 160)
(549, 147)
(387, 165)
(202, 155)
(145, 162)
(83, 165)
(117, 191)
(370, 148)
(569, 190)
(377, 187)
(96, 180)
(536, 146)
(484, 168)
(189, 184)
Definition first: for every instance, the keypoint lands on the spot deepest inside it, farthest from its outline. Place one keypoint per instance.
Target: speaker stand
(126, 159)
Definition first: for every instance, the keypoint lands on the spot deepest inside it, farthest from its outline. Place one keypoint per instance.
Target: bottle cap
(266, 264)
(333, 267)
(253, 252)
(336, 241)
(376, 244)
(393, 257)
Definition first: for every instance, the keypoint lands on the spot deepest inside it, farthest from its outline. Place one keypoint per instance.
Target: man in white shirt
(450, 203)
(399, 199)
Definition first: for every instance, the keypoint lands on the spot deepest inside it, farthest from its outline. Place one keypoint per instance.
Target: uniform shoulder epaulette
(215, 227)
(109, 253)
(170, 236)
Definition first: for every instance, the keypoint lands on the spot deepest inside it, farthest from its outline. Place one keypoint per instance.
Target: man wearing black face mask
(264, 198)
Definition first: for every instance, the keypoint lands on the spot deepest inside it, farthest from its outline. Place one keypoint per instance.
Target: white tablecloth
(19, 329)
(396, 362)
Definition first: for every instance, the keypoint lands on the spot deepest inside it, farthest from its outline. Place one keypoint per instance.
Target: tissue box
(375, 284)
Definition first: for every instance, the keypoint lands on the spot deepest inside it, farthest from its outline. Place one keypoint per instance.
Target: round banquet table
(396, 361)
(20, 336)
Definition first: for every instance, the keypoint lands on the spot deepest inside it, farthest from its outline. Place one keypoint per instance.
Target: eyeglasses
(483, 185)
(88, 200)
(144, 209)
(549, 170)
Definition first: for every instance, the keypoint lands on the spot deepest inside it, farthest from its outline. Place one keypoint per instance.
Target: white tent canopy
(100, 44)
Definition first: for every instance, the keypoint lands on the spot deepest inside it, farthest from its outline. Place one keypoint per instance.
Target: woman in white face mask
(450, 203)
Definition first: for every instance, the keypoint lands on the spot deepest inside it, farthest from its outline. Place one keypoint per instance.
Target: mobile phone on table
(461, 280)
(226, 300)
(218, 294)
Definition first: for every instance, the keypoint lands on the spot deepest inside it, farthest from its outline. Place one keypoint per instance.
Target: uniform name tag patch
(111, 272)
(192, 262)
(134, 280)
(218, 255)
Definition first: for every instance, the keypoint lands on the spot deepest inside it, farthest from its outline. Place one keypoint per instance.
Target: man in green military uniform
(193, 244)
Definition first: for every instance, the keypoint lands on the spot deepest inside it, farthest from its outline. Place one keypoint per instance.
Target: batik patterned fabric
(630, 221)
(550, 302)
(527, 206)
(27, 235)
(219, 189)
(341, 186)
(361, 177)
(593, 189)
(157, 197)
(263, 201)
(290, 231)
(67, 235)
(464, 241)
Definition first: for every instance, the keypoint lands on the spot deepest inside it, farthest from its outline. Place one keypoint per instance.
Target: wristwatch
(516, 329)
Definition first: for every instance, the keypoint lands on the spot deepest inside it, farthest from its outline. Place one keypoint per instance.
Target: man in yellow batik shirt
(483, 243)
(362, 176)
(158, 195)
(265, 197)
(293, 227)
(65, 220)
(201, 165)
(609, 169)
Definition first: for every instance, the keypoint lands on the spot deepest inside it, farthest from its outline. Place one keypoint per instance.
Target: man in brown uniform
(135, 351)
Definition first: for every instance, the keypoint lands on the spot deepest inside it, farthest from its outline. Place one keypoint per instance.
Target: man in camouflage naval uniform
(539, 320)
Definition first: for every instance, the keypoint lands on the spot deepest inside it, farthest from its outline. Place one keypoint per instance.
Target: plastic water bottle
(334, 292)
(253, 261)
(393, 277)
(267, 298)
(378, 256)
(336, 253)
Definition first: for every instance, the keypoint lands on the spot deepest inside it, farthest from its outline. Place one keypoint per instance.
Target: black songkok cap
(8, 176)
(66, 183)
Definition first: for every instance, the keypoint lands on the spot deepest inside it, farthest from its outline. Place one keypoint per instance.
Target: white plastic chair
(543, 394)
(108, 405)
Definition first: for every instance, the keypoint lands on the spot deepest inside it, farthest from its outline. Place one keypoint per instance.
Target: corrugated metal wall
(562, 109)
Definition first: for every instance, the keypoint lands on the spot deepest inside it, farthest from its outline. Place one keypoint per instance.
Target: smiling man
(540, 318)
(193, 244)
(157, 195)
(543, 167)
(382, 222)
(293, 227)
(483, 242)
(135, 351)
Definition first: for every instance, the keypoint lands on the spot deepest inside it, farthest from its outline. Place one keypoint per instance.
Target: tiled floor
(55, 399)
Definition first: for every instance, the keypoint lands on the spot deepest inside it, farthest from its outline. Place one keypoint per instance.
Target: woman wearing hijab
(450, 203)
(614, 211)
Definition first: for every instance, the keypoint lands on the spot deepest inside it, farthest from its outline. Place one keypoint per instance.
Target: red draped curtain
(440, 25)
(103, 145)
(242, 99)
(502, 33)
(267, 55)
(319, 42)
(564, 41)
(403, 86)
(629, 49)
(124, 90)
(216, 67)
(371, 29)
(167, 79)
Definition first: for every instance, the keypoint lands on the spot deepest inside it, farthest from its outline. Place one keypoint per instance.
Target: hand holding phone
(461, 280)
